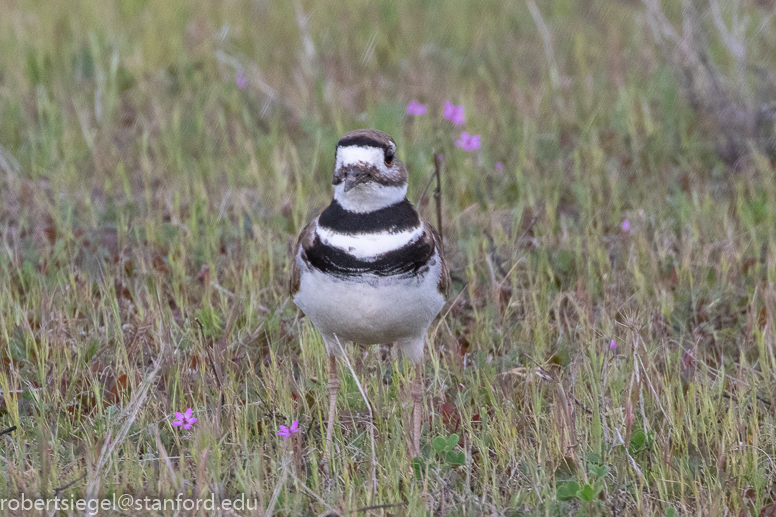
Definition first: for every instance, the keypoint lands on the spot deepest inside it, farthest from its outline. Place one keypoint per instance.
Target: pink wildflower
(184, 419)
(468, 142)
(416, 108)
(453, 113)
(240, 80)
(286, 432)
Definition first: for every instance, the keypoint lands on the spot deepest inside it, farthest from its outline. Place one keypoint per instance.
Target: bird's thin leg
(417, 408)
(334, 385)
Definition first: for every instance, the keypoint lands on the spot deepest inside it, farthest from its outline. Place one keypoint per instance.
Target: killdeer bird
(368, 269)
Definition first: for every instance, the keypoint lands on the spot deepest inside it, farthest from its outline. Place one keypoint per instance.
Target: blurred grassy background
(148, 205)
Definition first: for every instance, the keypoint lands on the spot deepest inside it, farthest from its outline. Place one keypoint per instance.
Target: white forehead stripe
(364, 246)
(368, 197)
(355, 154)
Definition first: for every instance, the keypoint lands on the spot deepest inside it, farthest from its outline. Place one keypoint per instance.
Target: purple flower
(453, 113)
(612, 345)
(625, 226)
(240, 80)
(416, 108)
(286, 432)
(499, 167)
(184, 419)
(468, 142)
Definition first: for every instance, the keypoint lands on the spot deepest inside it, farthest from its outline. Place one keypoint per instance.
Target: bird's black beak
(356, 176)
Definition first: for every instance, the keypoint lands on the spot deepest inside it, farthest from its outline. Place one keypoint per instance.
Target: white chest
(371, 309)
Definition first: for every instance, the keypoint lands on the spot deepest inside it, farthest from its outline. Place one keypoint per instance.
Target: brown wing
(305, 240)
(444, 277)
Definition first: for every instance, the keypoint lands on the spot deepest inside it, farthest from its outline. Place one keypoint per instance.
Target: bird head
(367, 174)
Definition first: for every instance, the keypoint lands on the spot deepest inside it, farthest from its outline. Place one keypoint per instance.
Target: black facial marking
(394, 218)
(363, 141)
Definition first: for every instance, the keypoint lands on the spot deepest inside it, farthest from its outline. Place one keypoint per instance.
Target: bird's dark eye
(388, 158)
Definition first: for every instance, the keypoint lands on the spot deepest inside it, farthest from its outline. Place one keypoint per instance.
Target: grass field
(609, 346)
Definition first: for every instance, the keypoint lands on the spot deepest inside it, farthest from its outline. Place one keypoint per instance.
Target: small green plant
(445, 449)
(448, 457)
(640, 441)
(589, 491)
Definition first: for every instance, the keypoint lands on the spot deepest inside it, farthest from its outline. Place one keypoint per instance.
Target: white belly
(373, 310)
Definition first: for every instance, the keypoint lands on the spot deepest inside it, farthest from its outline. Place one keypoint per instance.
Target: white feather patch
(364, 246)
(368, 197)
(355, 154)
